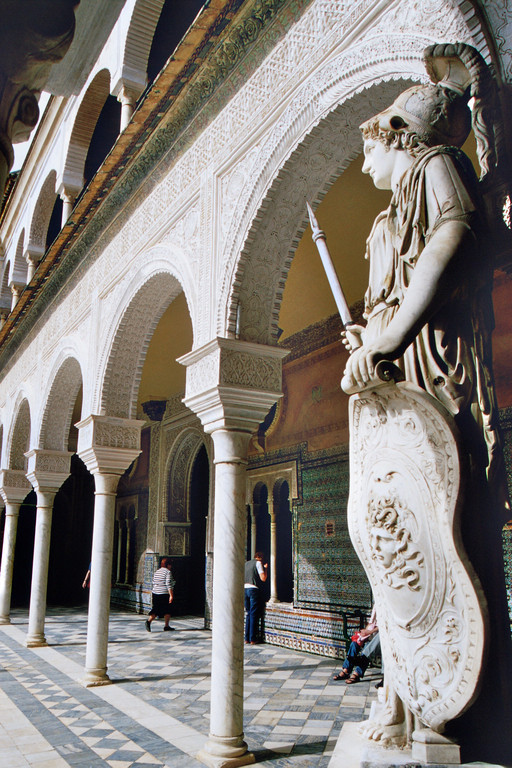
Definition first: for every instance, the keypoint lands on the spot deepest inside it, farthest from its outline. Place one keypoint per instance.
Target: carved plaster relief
(351, 72)
(317, 34)
(405, 491)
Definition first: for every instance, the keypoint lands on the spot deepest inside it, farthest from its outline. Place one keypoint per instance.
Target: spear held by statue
(332, 277)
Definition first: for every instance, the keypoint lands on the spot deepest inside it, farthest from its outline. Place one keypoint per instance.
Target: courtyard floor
(156, 713)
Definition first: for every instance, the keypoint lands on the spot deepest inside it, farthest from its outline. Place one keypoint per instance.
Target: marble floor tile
(156, 713)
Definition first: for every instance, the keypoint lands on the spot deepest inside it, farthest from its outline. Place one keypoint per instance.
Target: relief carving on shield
(403, 518)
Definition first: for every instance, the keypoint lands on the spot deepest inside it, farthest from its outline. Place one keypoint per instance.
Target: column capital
(108, 444)
(231, 384)
(69, 190)
(47, 469)
(128, 87)
(14, 486)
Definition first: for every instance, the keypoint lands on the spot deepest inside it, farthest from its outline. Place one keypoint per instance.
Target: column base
(214, 761)
(94, 678)
(5, 620)
(36, 641)
(226, 752)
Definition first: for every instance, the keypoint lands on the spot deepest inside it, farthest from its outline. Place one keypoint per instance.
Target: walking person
(255, 574)
(162, 595)
(87, 578)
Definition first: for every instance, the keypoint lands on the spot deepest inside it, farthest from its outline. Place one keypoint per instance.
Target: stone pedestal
(107, 446)
(353, 750)
(231, 385)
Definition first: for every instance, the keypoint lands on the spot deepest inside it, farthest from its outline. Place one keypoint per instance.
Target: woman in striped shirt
(162, 594)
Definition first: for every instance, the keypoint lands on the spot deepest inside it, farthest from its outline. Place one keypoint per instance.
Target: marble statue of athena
(428, 495)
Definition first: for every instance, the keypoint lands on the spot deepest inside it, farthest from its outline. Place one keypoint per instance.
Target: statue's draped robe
(451, 356)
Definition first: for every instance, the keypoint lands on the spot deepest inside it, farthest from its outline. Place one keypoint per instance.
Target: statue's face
(379, 162)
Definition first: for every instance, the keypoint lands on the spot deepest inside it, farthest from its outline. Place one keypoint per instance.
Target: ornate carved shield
(406, 470)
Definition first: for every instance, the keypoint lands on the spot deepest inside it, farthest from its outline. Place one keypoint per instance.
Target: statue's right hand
(351, 336)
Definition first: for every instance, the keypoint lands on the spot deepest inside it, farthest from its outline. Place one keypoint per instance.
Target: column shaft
(226, 742)
(273, 554)
(101, 576)
(7, 565)
(37, 609)
(67, 207)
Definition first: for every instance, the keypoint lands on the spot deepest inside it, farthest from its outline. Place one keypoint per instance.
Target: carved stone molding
(232, 383)
(406, 473)
(107, 444)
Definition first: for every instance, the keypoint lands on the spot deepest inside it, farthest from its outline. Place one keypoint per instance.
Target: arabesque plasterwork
(205, 171)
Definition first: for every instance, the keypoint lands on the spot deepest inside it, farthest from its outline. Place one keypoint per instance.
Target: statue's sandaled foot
(388, 727)
(386, 735)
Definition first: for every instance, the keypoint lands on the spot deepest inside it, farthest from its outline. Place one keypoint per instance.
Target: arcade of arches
(170, 352)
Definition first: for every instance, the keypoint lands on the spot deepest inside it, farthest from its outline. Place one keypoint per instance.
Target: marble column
(226, 724)
(222, 391)
(16, 289)
(273, 552)
(39, 584)
(128, 99)
(107, 445)
(14, 487)
(253, 530)
(68, 202)
(33, 255)
(101, 576)
(47, 470)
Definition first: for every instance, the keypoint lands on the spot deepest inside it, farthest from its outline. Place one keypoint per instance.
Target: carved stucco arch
(5, 292)
(316, 139)
(42, 214)
(179, 464)
(139, 39)
(19, 265)
(83, 129)
(129, 337)
(66, 380)
(18, 441)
